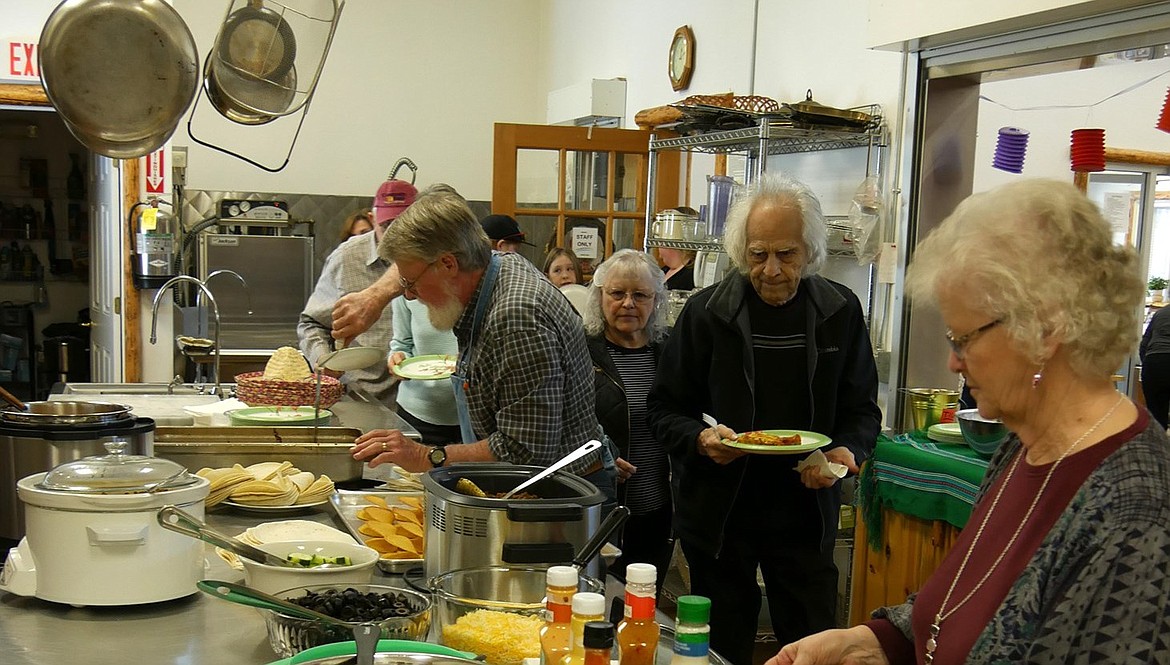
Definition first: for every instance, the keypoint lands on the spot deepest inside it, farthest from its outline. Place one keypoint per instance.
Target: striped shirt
(649, 488)
(530, 388)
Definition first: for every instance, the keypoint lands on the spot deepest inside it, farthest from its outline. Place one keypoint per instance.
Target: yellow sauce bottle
(587, 606)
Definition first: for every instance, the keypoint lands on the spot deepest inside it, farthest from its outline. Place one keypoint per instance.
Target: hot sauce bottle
(598, 640)
(637, 634)
(555, 636)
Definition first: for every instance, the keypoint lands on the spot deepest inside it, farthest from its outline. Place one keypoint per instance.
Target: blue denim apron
(461, 379)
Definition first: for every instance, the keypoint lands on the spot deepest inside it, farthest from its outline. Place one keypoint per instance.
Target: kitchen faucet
(214, 308)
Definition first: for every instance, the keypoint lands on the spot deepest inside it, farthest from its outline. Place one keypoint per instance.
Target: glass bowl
(290, 635)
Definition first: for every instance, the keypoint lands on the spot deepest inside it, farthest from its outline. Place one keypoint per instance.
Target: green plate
(264, 416)
(945, 433)
(808, 441)
(426, 368)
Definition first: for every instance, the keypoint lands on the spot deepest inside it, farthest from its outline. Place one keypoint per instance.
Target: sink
(136, 389)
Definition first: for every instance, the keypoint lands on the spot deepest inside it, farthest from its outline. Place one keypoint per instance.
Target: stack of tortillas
(223, 482)
(270, 484)
(287, 364)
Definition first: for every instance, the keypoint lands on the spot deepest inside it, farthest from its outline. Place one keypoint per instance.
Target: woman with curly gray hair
(624, 325)
(1064, 557)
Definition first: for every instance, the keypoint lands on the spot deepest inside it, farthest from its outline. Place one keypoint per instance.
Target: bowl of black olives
(402, 614)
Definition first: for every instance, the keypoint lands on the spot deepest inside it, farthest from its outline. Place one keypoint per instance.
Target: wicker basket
(252, 389)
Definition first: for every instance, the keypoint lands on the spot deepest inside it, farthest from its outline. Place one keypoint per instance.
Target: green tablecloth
(916, 476)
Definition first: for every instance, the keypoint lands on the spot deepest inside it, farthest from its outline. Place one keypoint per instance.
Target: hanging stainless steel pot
(258, 41)
(120, 73)
(247, 99)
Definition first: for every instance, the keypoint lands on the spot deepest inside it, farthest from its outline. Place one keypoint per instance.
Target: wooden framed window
(578, 187)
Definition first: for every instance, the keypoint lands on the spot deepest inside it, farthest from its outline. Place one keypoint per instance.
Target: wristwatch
(437, 456)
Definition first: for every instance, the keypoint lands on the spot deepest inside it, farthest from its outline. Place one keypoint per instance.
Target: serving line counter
(195, 630)
(914, 497)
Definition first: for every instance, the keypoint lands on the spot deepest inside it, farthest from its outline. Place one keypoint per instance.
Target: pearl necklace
(936, 626)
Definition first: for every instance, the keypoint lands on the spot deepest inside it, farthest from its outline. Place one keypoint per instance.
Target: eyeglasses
(959, 344)
(640, 297)
(408, 285)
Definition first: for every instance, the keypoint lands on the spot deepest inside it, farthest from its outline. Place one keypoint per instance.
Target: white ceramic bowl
(274, 579)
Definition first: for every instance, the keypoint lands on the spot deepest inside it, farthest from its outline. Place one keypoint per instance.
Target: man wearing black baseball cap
(504, 232)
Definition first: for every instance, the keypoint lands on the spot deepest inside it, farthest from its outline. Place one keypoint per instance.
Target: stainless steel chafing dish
(198, 447)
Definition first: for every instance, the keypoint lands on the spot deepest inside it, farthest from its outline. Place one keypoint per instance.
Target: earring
(1037, 377)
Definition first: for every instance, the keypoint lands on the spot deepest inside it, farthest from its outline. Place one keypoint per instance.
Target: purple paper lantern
(1010, 149)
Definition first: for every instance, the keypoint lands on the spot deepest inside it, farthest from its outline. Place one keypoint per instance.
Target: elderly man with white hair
(774, 346)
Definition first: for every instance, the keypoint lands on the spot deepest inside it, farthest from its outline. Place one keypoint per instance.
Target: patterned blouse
(1098, 588)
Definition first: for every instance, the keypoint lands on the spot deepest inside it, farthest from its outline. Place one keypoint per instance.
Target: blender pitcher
(718, 200)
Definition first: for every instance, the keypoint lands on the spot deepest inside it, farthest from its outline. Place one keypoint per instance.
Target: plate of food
(778, 441)
(426, 368)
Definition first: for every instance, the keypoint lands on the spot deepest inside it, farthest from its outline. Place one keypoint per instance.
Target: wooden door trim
(23, 94)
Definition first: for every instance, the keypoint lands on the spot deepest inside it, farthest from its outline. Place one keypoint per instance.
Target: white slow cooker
(93, 537)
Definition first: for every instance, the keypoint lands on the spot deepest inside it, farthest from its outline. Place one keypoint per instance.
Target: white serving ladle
(583, 450)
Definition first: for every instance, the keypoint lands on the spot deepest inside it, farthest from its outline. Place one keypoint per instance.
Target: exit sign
(20, 60)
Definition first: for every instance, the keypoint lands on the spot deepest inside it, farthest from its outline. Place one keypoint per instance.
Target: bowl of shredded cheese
(494, 611)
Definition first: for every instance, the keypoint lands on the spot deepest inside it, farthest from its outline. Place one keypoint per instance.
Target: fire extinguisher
(154, 245)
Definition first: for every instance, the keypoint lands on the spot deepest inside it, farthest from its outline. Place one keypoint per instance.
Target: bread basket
(254, 390)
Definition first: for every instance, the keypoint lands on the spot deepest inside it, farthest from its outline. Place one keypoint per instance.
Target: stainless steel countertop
(196, 630)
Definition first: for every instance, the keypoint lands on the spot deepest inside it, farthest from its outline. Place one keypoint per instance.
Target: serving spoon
(180, 521)
(584, 449)
(13, 399)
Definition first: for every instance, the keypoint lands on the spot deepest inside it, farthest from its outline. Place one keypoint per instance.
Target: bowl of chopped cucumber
(311, 562)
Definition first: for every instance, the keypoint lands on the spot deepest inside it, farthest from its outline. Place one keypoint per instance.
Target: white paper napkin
(214, 413)
(828, 469)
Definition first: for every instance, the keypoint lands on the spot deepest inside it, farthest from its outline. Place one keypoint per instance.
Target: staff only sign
(18, 60)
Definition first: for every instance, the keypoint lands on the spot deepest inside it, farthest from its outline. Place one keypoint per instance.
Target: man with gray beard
(524, 387)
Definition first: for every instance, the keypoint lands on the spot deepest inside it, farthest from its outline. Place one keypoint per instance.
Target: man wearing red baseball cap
(354, 266)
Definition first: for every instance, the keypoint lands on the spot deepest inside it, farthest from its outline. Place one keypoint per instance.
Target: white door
(105, 272)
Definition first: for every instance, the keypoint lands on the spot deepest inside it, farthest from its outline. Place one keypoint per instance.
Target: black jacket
(612, 412)
(707, 367)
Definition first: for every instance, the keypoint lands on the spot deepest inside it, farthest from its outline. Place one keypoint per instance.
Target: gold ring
(383, 446)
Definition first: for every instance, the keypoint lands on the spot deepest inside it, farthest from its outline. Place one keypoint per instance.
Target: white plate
(351, 358)
(578, 296)
(275, 510)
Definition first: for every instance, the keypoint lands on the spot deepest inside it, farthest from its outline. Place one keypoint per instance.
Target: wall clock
(682, 58)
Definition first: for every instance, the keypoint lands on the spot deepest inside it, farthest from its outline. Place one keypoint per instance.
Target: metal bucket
(930, 406)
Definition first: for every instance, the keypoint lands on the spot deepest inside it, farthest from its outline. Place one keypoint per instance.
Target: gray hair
(435, 224)
(1040, 256)
(628, 262)
(776, 187)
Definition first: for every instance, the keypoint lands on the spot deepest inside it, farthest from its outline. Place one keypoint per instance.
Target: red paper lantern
(1088, 150)
(1164, 118)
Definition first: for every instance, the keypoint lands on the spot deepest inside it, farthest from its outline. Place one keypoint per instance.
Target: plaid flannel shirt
(530, 386)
